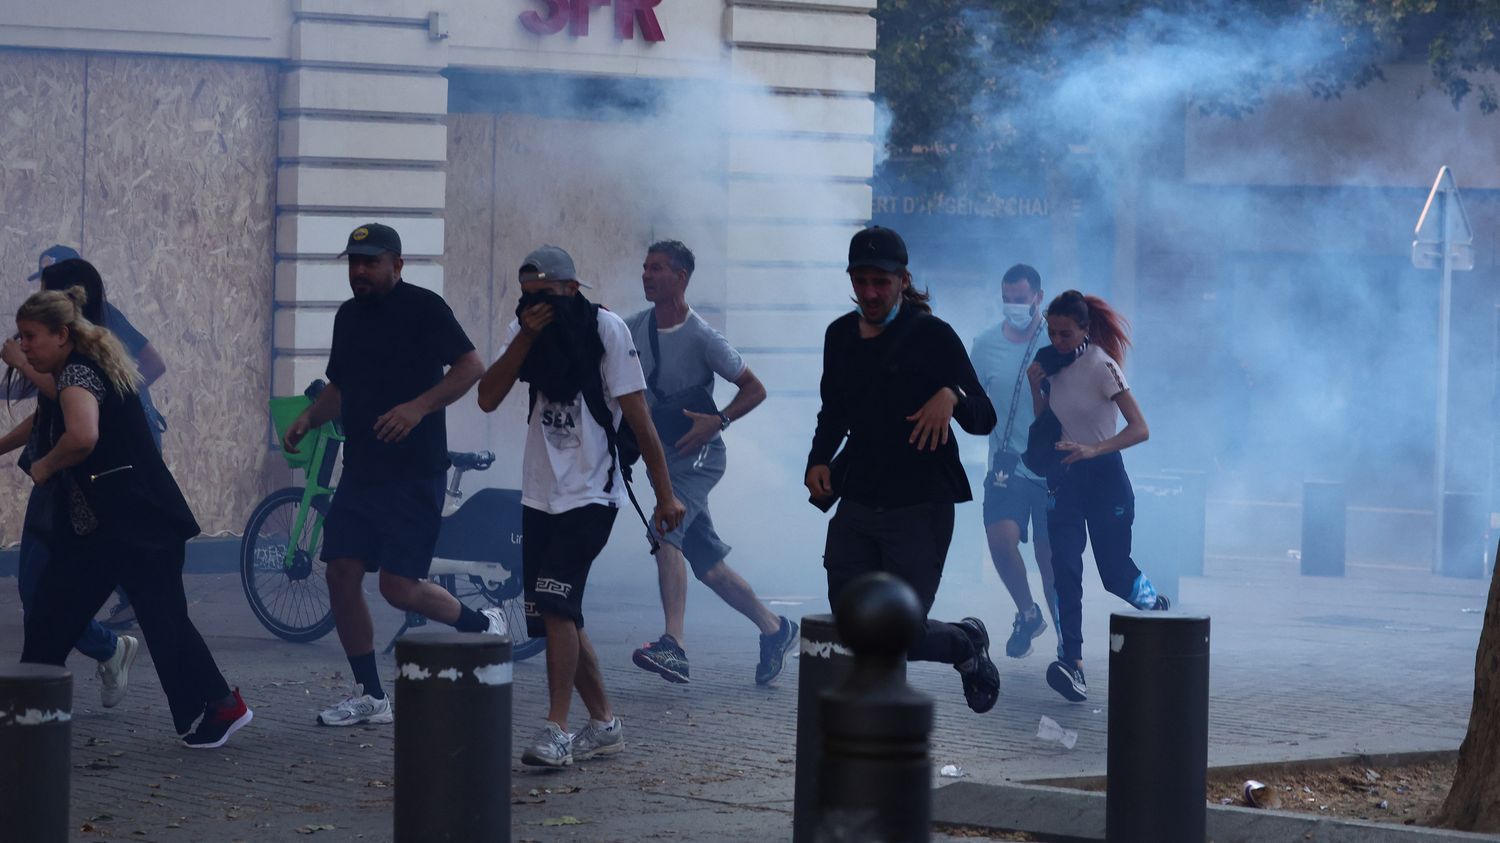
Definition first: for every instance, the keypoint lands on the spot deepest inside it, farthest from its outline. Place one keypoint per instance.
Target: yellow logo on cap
(360, 234)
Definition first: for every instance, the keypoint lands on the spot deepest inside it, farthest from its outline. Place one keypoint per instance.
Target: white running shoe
(114, 672)
(498, 624)
(552, 747)
(598, 739)
(359, 709)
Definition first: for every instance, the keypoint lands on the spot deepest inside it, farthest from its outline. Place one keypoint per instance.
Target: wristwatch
(723, 422)
(959, 391)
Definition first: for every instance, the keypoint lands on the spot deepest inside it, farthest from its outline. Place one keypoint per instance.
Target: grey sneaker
(664, 657)
(358, 710)
(773, 650)
(498, 624)
(552, 747)
(1028, 625)
(114, 672)
(593, 740)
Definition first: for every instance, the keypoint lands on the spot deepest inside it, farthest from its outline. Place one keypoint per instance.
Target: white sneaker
(114, 672)
(598, 739)
(498, 624)
(552, 747)
(358, 710)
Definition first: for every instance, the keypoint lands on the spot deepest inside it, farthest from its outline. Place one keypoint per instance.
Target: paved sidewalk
(1379, 661)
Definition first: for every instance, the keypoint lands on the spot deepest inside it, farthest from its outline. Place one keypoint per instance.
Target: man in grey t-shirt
(680, 352)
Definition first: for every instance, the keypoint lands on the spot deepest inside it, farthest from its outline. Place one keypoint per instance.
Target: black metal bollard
(36, 710)
(1158, 727)
(453, 738)
(824, 663)
(1325, 516)
(876, 782)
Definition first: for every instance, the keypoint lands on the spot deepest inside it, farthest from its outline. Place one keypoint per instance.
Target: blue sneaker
(1028, 625)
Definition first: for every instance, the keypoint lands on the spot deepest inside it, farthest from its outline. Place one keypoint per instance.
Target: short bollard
(1325, 516)
(36, 710)
(1158, 728)
(453, 738)
(876, 781)
(824, 663)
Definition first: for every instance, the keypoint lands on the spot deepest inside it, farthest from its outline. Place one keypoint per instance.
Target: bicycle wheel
(478, 593)
(289, 596)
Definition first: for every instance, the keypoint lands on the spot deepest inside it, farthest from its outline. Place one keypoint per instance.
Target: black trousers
(84, 572)
(910, 542)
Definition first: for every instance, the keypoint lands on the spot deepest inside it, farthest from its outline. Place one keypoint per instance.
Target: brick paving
(1378, 661)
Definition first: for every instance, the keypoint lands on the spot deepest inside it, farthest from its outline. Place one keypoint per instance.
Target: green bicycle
(477, 558)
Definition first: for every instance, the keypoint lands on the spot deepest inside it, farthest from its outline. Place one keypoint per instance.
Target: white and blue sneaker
(1067, 680)
(552, 747)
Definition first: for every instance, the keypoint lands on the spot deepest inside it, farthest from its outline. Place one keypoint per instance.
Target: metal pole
(876, 782)
(36, 710)
(1440, 464)
(1157, 762)
(824, 663)
(453, 738)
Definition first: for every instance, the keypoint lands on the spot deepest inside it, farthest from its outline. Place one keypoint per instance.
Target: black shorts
(1020, 500)
(557, 551)
(389, 525)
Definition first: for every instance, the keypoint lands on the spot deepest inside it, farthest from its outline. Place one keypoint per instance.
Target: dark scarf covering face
(1053, 361)
(566, 350)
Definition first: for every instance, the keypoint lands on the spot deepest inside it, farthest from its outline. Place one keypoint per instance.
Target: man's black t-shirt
(387, 351)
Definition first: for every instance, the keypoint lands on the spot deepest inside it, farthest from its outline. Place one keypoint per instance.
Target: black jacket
(870, 386)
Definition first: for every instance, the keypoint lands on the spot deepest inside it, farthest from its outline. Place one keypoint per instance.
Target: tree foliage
(962, 80)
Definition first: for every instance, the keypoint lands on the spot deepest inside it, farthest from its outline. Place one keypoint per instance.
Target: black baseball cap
(879, 247)
(372, 238)
(52, 254)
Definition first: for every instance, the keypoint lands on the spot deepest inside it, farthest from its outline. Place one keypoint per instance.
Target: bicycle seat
(471, 461)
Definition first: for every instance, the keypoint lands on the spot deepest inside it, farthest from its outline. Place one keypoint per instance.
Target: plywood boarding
(178, 218)
(41, 170)
(467, 275)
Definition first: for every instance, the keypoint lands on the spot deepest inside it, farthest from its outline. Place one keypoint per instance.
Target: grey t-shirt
(999, 362)
(692, 353)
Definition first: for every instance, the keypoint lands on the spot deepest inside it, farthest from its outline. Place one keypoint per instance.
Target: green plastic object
(284, 411)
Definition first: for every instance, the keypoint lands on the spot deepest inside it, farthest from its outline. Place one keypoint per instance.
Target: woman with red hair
(1079, 378)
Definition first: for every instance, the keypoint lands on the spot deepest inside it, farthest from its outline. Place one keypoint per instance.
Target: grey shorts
(693, 477)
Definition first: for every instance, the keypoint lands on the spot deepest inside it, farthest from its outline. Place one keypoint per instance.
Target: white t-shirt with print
(1083, 394)
(566, 462)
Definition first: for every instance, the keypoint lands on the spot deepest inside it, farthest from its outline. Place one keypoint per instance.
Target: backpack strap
(593, 397)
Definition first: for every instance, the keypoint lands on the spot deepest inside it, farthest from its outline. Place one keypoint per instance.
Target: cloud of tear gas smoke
(1281, 332)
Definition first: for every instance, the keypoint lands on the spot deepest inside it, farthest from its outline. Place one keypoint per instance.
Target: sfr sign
(574, 14)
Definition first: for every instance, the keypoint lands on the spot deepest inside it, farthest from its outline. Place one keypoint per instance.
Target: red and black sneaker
(218, 723)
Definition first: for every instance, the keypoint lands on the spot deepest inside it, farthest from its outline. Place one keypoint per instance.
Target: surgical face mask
(1019, 315)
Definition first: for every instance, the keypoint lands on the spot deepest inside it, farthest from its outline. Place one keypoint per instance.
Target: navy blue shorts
(1021, 500)
(389, 525)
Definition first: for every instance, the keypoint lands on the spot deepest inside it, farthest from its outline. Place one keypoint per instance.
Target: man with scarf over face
(385, 376)
(567, 350)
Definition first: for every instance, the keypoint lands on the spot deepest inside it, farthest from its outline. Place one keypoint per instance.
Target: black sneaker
(1162, 603)
(664, 658)
(1028, 625)
(981, 679)
(773, 650)
(1067, 680)
(218, 723)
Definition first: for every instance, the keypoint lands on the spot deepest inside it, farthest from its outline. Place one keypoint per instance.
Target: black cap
(53, 254)
(879, 247)
(372, 238)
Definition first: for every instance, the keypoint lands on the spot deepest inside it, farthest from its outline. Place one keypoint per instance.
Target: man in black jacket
(894, 376)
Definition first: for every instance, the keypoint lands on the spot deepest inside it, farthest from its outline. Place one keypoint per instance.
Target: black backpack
(623, 450)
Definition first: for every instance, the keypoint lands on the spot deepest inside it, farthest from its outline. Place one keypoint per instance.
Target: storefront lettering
(983, 205)
(574, 14)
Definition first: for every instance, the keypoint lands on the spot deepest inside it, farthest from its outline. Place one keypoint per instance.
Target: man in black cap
(385, 376)
(894, 376)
